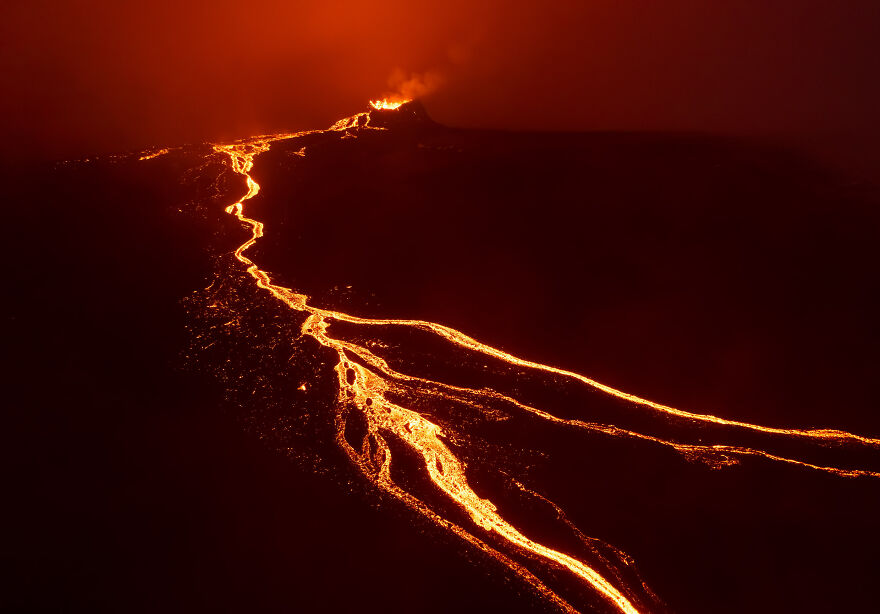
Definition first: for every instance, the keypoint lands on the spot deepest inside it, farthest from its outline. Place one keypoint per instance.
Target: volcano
(444, 369)
(410, 114)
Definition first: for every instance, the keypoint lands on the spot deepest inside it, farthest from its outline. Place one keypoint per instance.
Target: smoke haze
(103, 76)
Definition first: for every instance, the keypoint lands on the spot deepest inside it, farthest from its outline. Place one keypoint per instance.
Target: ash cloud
(412, 85)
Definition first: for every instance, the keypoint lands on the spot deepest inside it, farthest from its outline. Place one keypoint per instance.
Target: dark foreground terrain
(714, 276)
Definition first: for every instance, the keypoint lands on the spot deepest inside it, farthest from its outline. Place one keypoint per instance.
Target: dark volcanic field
(710, 275)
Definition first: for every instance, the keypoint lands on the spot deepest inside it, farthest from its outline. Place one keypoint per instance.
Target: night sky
(95, 76)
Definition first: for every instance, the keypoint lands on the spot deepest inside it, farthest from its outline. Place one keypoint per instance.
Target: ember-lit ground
(714, 276)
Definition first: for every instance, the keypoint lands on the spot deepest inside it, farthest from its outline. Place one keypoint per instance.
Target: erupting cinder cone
(410, 113)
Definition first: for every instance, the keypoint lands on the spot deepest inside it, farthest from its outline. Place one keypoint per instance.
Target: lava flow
(369, 386)
(387, 105)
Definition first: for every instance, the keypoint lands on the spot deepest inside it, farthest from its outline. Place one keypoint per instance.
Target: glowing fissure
(149, 155)
(364, 384)
(387, 105)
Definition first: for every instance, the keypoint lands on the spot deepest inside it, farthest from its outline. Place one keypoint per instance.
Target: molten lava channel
(366, 382)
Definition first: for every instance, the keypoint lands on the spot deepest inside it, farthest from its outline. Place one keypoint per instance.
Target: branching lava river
(383, 407)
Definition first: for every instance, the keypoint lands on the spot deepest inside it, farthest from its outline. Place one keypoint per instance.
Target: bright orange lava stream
(149, 155)
(365, 384)
(387, 105)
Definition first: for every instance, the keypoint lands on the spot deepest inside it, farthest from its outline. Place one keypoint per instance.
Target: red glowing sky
(100, 75)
